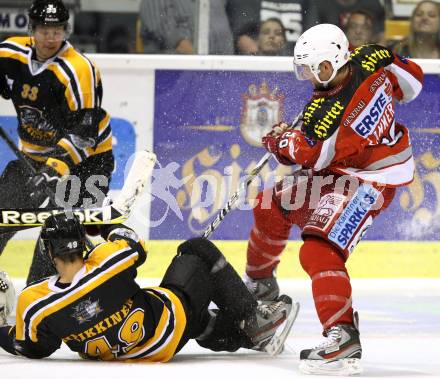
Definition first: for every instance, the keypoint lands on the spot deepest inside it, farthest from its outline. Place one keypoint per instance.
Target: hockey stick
(114, 213)
(23, 158)
(31, 169)
(236, 195)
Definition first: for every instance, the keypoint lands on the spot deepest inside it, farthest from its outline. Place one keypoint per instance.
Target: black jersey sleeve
(7, 334)
(4, 89)
(372, 57)
(45, 346)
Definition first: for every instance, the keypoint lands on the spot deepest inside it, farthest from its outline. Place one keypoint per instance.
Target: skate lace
(3, 285)
(268, 310)
(252, 286)
(333, 335)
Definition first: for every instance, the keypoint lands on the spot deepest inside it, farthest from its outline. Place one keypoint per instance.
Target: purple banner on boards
(207, 129)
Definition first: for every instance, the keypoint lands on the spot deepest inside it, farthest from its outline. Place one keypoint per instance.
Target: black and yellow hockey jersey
(103, 314)
(58, 103)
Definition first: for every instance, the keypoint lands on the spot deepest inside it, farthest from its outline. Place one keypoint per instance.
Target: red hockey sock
(330, 281)
(267, 240)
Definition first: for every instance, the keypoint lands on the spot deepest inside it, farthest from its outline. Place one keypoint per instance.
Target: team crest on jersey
(35, 124)
(86, 310)
(262, 108)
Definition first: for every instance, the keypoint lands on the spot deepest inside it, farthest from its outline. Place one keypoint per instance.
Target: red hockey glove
(272, 145)
(270, 142)
(279, 129)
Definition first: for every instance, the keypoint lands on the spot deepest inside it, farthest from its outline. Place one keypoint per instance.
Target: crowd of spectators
(423, 40)
(271, 27)
(257, 27)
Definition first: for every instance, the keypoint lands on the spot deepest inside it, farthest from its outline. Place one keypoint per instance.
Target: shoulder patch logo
(86, 310)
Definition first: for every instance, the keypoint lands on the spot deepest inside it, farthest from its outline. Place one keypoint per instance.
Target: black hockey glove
(43, 185)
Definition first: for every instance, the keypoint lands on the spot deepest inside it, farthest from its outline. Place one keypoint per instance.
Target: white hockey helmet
(323, 42)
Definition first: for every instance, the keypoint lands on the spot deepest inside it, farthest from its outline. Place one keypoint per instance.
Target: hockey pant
(15, 190)
(199, 275)
(315, 204)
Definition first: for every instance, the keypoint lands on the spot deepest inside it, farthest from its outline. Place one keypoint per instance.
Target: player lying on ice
(95, 306)
(354, 155)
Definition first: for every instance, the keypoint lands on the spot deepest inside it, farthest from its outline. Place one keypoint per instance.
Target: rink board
(371, 259)
(205, 115)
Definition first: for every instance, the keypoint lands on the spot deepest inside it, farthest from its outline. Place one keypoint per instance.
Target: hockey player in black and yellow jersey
(62, 128)
(95, 306)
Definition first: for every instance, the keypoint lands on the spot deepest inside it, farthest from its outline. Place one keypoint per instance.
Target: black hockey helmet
(63, 234)
(48, 12)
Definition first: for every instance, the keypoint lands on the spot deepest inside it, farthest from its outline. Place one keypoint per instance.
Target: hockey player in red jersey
(354, 154)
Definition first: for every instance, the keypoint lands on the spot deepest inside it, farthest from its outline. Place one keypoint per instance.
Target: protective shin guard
(330, 281)
(229, 292)
(267, 240)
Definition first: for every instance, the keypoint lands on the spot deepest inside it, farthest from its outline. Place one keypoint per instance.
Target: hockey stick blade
(135, 182)
(29, 218)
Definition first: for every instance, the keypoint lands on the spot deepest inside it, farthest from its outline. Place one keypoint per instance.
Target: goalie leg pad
(188, 276)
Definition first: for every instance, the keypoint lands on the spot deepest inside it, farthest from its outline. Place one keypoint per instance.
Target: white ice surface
(400, 334)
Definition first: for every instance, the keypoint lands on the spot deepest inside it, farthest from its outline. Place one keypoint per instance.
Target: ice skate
(263, 289)
(269, 327)
(339, 354)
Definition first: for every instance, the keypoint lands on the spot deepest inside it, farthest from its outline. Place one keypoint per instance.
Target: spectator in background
(338, 12)
(118, 40)
(359, 29)
(424, 38)
(246, 15)
(167, 27)
(271, 37)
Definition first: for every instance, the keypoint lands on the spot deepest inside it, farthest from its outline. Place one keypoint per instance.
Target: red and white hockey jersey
(351, 129)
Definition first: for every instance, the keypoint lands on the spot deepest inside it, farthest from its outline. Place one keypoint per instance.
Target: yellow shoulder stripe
(64, 79)
(104, 251)
(82, 71)
(24, 42)
(27, 297)
(14, 55)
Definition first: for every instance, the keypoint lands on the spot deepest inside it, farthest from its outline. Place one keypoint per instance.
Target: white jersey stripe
(396, 175)
(327, 152)
(410, 86)
(78, 83)
(66, 76)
